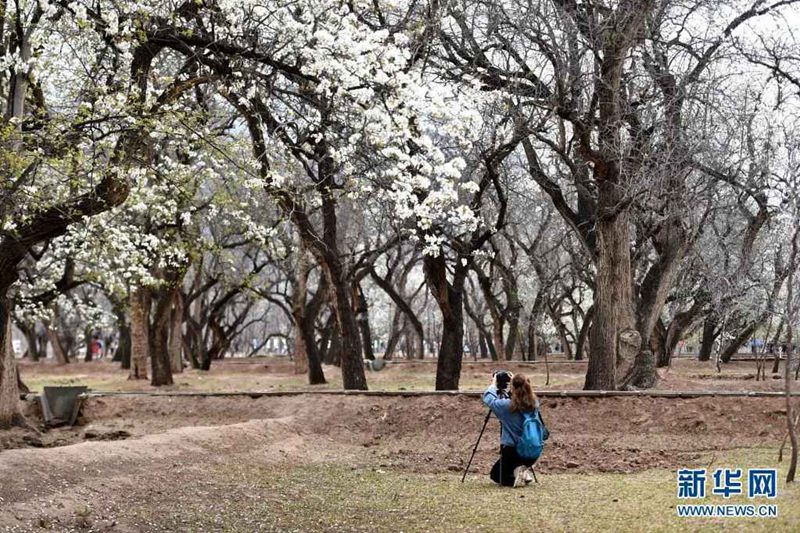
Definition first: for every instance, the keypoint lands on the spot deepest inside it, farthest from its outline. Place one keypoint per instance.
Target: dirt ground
(277, 373)
(138, 449)
(134, 462)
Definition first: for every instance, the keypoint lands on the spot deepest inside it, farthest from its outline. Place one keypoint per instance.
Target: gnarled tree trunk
(613, 312)
(450, 297)
(10, 413)
(139, 305)
(710, 334)
(741, 338)
(158, 337)
(176, 334)
(307, 358)
(349, 335)
(580, 346)
(362, 317)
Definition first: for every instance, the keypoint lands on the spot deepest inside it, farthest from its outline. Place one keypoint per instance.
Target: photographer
(510, 470)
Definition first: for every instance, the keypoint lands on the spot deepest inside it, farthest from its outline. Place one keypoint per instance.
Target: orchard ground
(369, 463)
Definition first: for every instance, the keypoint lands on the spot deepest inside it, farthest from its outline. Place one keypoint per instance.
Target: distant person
(511, 470)
(97, 347)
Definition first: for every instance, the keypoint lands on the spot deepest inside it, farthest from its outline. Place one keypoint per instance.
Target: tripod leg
(475, 449)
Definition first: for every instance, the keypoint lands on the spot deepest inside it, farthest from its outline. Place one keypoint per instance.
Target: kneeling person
(512, 469)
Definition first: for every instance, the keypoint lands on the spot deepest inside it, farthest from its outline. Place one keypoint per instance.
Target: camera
(503, 378)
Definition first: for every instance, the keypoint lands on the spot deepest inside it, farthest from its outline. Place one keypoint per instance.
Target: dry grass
(342, 497)
(277, 374)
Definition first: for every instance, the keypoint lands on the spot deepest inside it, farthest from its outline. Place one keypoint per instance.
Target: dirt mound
(424, 433)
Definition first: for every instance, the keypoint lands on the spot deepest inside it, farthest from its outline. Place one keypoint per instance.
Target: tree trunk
(613, 316)
(89, 341)
(326, 339)
(482, 345)
(205, 360)
(450, 298)
(512, 340)
(299, 292)
(580, 347)
(412, 345)
(776, 363)
(300, 349)
(176, 334)
(122, 354)
(333, 356)
(531, 341)
(395, 332)
(498, 319)
(658, 344)
(158, 338)
(451, 349)
(490, 346)
(710, 334)
(362, 317)
(791, 317)
(69, 343)
(739, 341)
(671, 243)
(307, 358)
(58, 349)
(513, 309)
(192, 342)
(484, 338)
(10, 413)
(41, 343)
(316, 376)
(680, 323)
(534, 325)
(220, 343)
(561, 329)
(790, 409)
(497, 337)
(140, 338)
(349, 337)
(471, 337)
(32, 340)
(304, 315)
(326, 250)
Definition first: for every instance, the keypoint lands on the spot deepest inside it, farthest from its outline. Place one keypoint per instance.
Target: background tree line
(188, 180)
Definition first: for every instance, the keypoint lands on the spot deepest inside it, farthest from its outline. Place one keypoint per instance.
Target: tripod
(475, 449)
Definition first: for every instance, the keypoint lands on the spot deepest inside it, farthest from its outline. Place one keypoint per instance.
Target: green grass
(342, 497)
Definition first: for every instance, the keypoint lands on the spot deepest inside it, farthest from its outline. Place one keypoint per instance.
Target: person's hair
(522, 396)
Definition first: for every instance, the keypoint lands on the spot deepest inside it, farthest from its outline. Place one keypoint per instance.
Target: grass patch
(342, 497)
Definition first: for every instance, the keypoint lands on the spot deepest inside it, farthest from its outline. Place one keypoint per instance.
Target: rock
(33, 441)
(98, 434)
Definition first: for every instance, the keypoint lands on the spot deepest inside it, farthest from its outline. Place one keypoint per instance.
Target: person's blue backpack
(534, 433)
